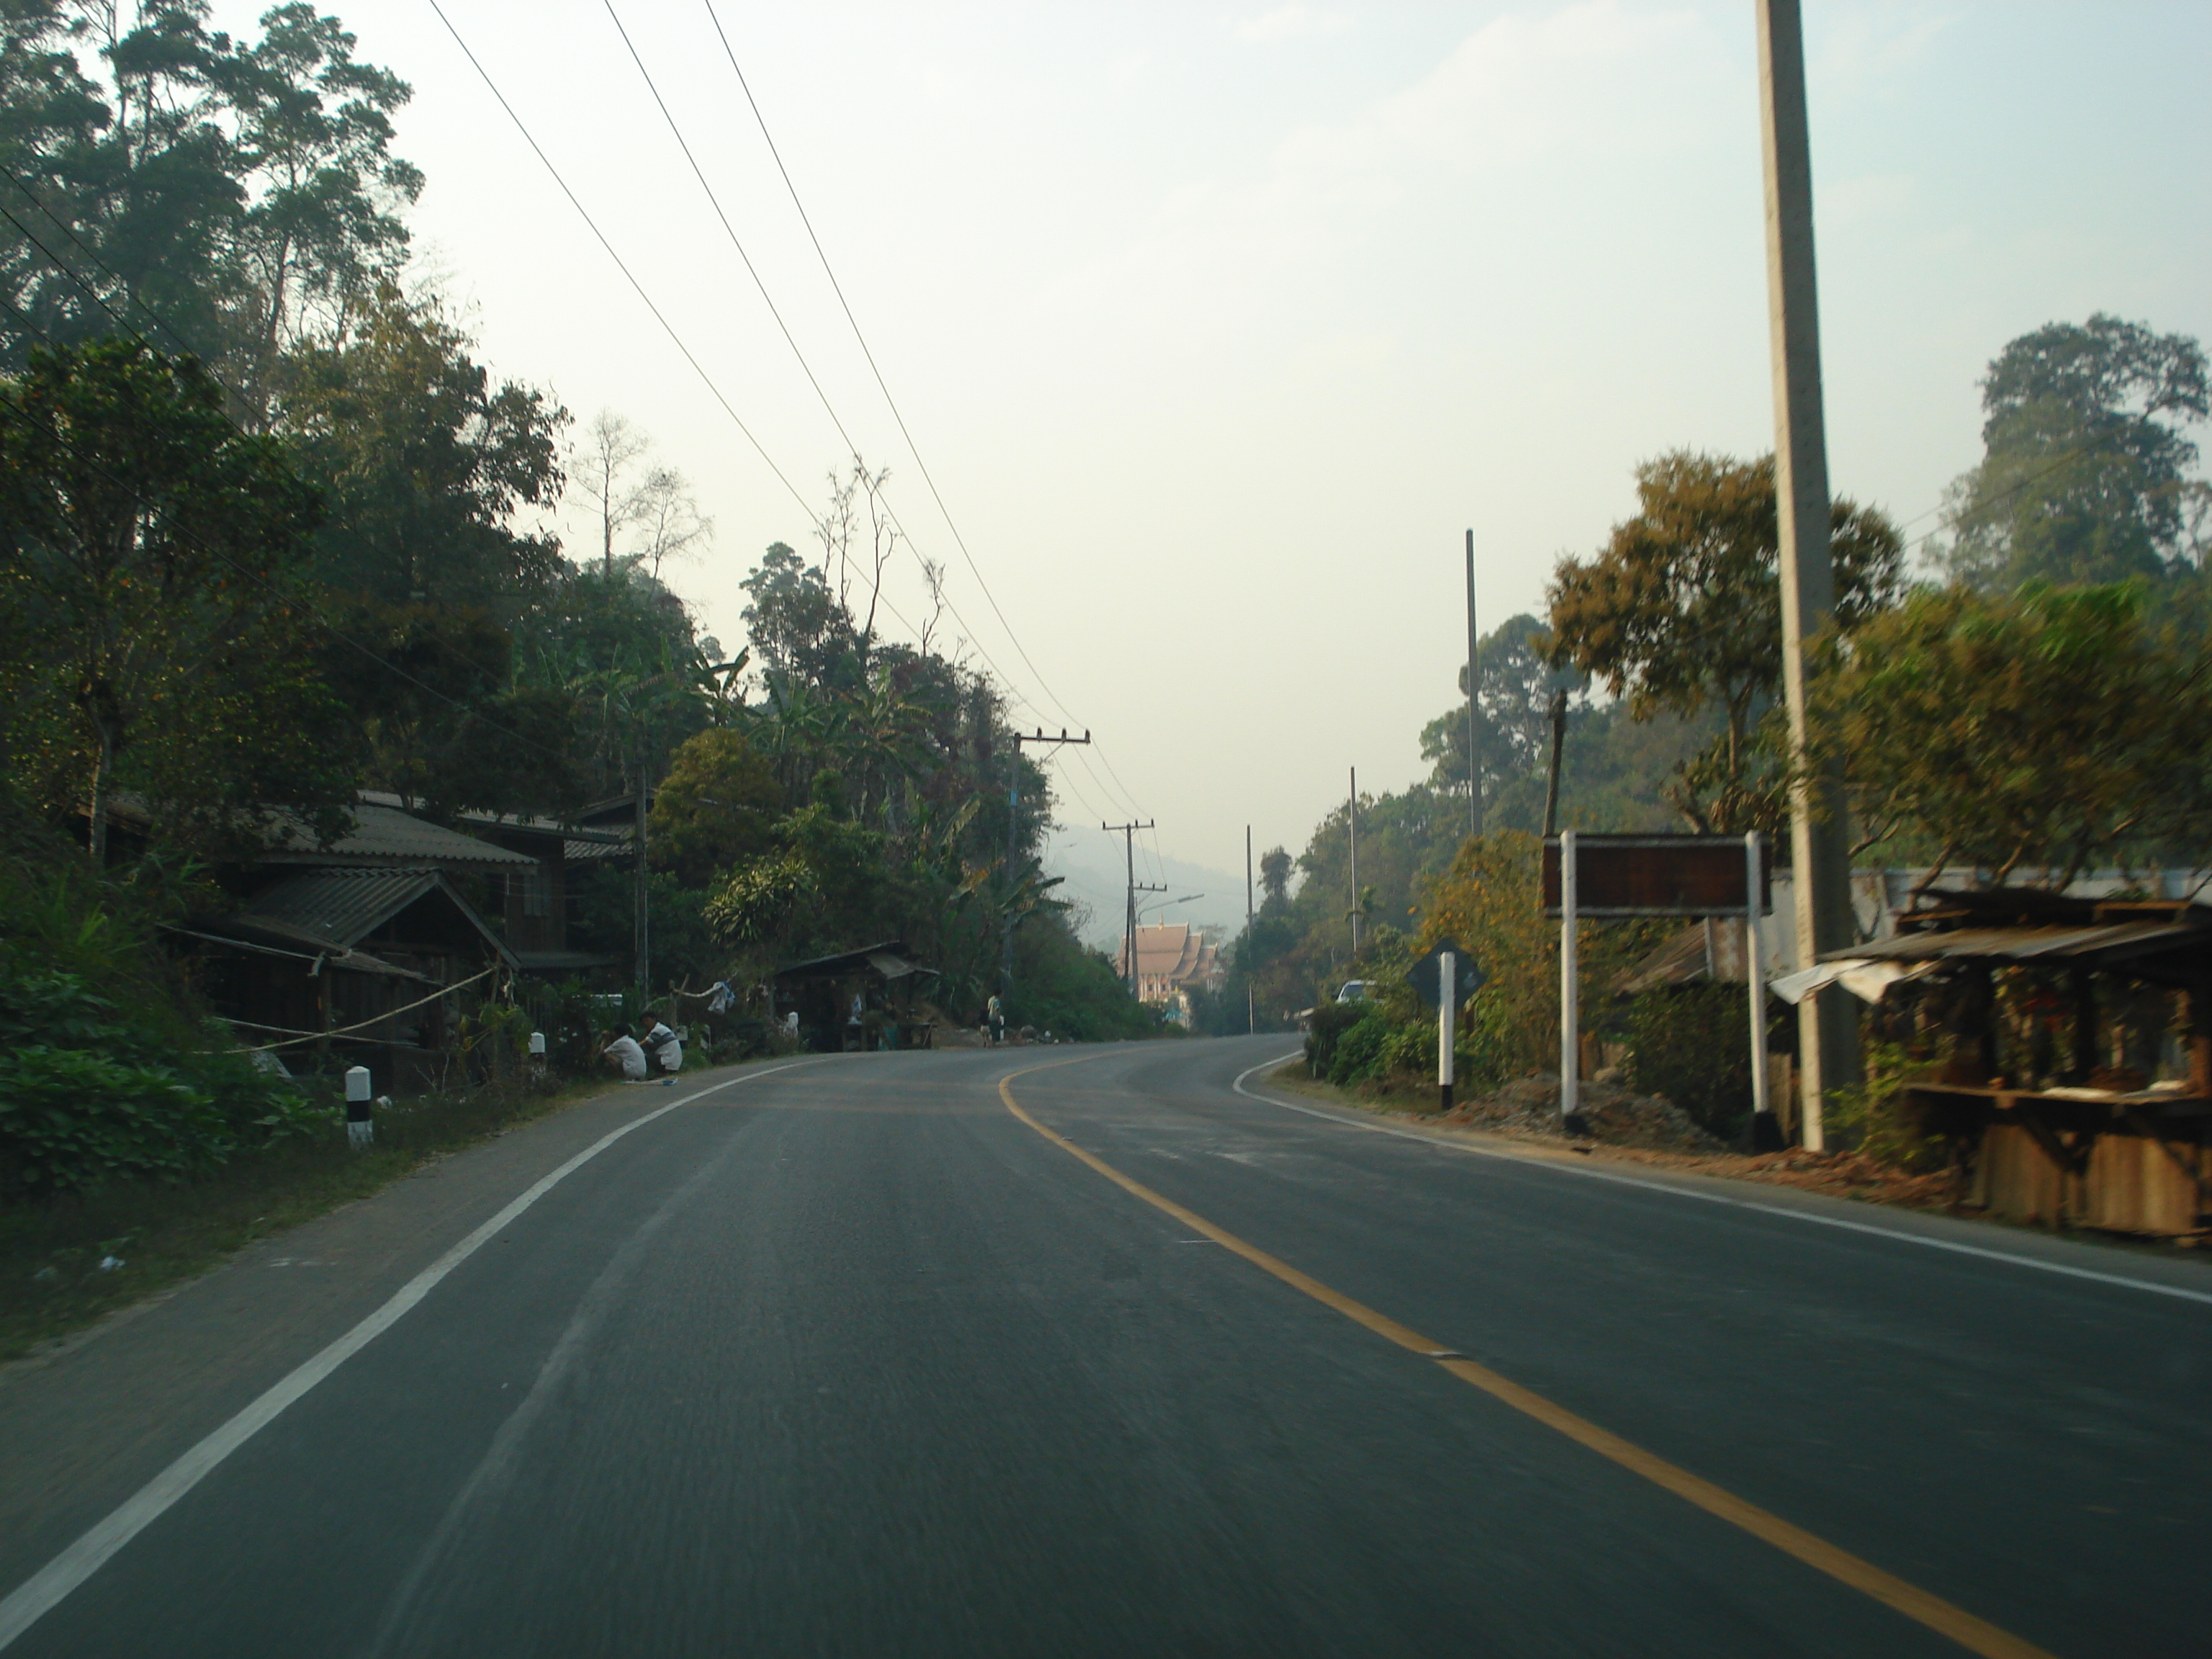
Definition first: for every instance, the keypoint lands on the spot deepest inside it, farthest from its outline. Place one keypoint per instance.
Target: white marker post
(1447, 1019)
(360, 1127)
(1754, 973)
(1569, 1010)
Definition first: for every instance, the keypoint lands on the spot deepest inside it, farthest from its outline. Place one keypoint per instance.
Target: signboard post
(1444, 979)
(1600, 876)
(1571, 1025)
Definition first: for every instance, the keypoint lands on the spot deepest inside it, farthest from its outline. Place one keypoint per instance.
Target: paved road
(848, 1359)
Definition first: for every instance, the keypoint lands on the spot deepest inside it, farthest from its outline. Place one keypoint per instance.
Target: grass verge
(51, 1282)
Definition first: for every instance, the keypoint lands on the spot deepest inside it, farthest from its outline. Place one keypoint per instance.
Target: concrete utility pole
(1819, 830)
(1128, 834)
(1474, 766)
(1013, 818)
(1351, 821)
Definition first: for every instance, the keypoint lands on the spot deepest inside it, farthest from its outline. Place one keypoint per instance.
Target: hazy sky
(1218, 324)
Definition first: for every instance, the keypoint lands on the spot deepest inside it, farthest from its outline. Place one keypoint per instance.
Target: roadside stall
(2078, 1081)
(857, 1000)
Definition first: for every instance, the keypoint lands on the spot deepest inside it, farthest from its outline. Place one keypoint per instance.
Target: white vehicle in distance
(1353, 990)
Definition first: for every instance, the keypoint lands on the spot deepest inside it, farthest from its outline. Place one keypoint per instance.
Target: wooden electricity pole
(1128, 834)
(1819, 831)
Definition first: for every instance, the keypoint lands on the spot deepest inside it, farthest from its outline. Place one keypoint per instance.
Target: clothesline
(298, 1036)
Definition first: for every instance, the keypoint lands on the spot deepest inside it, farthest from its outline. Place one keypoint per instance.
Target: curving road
(867, 1356)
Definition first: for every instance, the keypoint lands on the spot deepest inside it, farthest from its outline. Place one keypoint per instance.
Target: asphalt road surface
(849, 1358)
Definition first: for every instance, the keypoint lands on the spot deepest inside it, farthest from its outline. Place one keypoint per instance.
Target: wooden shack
(2079, 1081)
(861, 999)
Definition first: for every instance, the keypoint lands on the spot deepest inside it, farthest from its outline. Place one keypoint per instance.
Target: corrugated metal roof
(341, 906)
(2026, 944)
(385, 835)
(846, 962)
(585, 852)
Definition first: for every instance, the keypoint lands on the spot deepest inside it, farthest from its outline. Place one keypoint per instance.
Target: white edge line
(44, 1589)
(1673, 1191)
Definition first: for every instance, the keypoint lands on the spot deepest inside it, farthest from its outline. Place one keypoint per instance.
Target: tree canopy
(2039, 733)
(2085, 473)
(1681, 611)
(152, 556)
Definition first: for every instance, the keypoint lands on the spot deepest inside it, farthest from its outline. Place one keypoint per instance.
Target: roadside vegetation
(272, 533)
(2026, 696)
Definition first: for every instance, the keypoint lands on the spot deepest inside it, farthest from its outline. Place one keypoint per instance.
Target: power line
(805, 368)
(2007, 494)
(912, 447)
(667, 327)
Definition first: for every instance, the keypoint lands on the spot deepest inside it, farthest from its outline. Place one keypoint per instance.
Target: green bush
(1692, 1044)
(90, 1092)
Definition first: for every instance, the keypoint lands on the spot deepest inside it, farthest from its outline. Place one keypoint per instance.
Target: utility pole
(1474, 766)
(1352, 820)
(1558, 751)
(1128, 834)
(1820, 832)
(1251, 1019)
(1013, 819)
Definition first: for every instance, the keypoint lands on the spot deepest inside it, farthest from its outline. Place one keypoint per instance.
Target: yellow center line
(1975, 1634)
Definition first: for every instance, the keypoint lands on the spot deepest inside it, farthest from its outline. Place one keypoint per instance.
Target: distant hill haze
(1094, 876)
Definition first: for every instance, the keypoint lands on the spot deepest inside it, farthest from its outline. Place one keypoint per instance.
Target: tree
(426, 462)
(232, 198)
(611, 447)
(715, 809)
(150, 552)
(2083, 474)
(1512, 711)
(312, 138)
(670, 524)
(1682, 610)
(442, 722)
(2051, 730)
(799, 629)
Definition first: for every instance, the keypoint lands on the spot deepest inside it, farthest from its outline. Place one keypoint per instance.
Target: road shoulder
(86, 1422)
(2121, 1261)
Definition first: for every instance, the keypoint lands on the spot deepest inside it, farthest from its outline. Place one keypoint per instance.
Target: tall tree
(427, 462)
(1681, 610)
(2085, 473)
(229, 199)
(150, 553)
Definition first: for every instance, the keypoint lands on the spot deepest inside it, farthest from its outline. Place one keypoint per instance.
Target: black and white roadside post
(1444, 979)
(360, 1127)
(1447, 1020)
